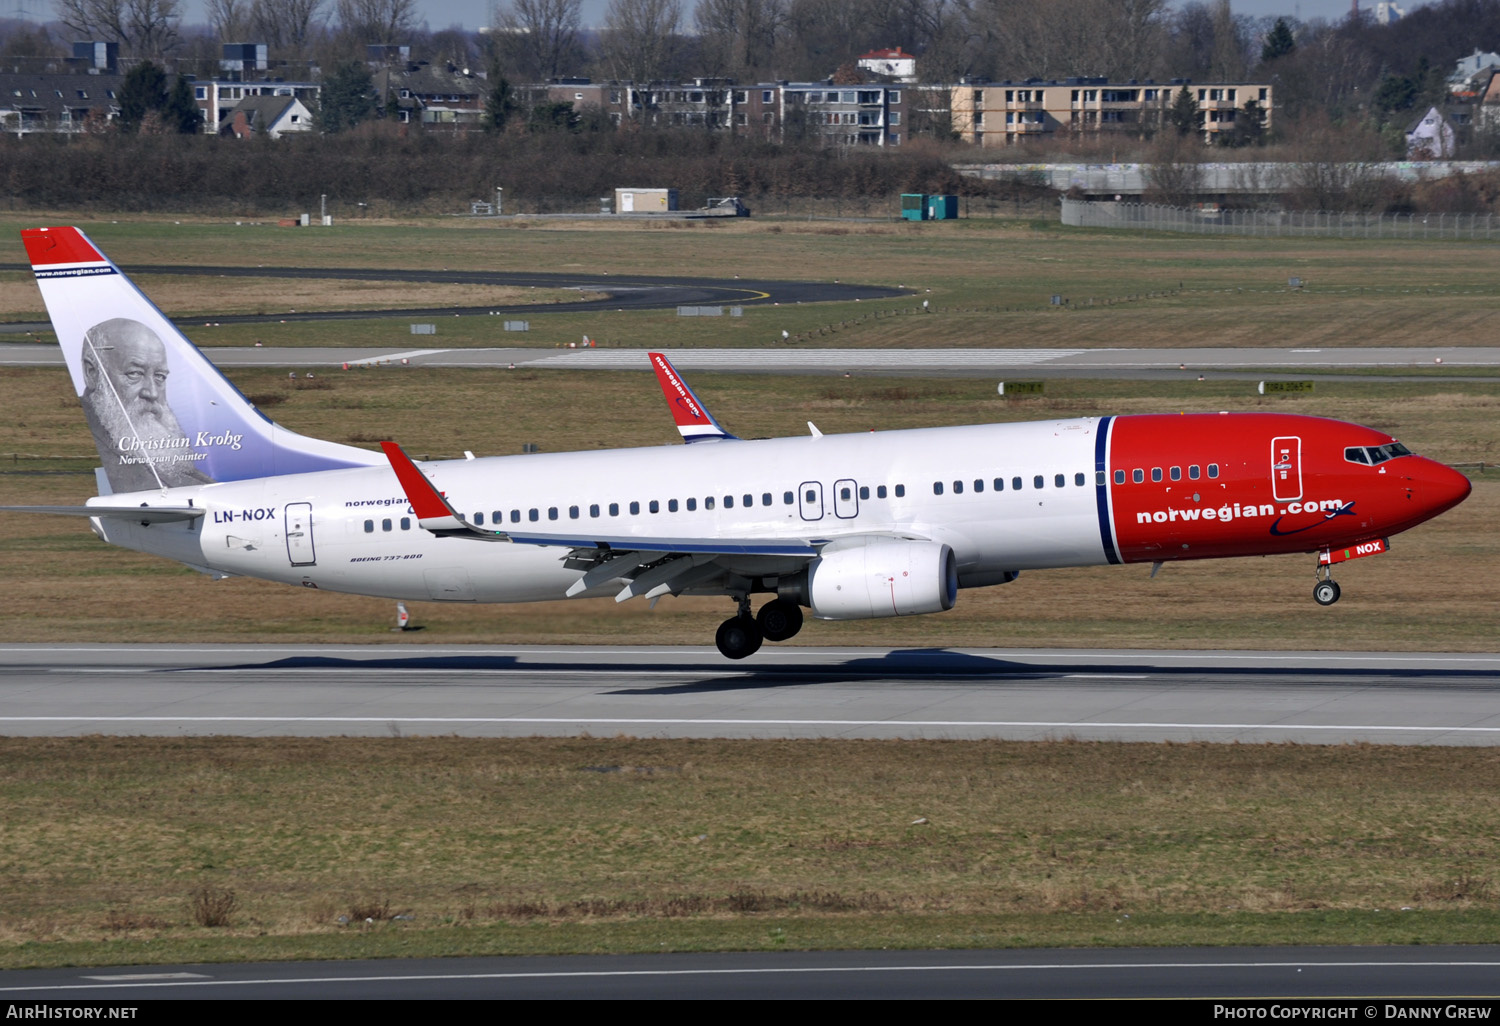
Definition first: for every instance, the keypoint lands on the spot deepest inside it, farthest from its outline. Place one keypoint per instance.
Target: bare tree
(739, 37)
(143, 28)
(539, 38)
(1110, 38)
(641, 40)
(287, 27)
(377, 21)
(230, 19)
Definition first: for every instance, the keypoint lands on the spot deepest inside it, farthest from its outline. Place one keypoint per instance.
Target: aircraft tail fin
(693, 420)
(121, 352)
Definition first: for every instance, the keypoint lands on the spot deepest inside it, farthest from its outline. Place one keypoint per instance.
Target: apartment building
(1006, 113)
(844, 115)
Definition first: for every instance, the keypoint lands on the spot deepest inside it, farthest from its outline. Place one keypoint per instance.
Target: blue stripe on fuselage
(1101, 488)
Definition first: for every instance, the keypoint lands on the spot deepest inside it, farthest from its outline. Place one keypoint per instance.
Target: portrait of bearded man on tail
(125, 400)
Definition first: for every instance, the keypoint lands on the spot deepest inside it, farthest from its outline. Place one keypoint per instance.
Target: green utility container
(942, 208)
(914, 206)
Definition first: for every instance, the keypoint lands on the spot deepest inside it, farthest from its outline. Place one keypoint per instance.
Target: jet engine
(865, 578)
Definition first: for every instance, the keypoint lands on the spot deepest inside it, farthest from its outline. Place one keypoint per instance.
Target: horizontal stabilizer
(141, 514)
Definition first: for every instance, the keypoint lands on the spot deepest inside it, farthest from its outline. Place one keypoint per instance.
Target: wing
(651, 566)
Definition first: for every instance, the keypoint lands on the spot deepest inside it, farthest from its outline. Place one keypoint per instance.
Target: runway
(788, 359)
(404, 690)
(1288, 975)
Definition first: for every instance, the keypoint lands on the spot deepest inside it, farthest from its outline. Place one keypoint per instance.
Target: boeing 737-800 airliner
(849, 526)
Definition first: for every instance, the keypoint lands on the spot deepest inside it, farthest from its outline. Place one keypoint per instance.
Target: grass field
(633, 845)
(989, 282)
(462, 846)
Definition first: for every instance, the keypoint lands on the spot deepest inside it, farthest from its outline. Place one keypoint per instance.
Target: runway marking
(749, 971)
(662, 722)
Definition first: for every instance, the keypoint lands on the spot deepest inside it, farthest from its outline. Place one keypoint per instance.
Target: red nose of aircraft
(1434, 487)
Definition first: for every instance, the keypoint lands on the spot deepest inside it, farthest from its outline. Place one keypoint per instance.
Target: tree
(640, 39)
(541, 37)
(144, 28)
(144, 90)
(739, 38)
(1183, 114)
(286, 26)
(347, 98)
(1279, 42)
(500, 103)
(230, 19)
(553, 116)
(181, 112)
(377, 21)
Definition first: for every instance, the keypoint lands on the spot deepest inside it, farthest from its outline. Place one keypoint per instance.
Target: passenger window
(937, 488)
(551, 512)
(635, 509)
(1015, 484)
(880, 491)
(978, 484)
(900, 491)
(958, 487)
(533, 514)
(846, 494)
(496, 517)
(729, 502)
(1119, 477)
(671, 505)
(369, 527)
(385, 525)
(1155, 473)
(1078, 480)
(515, 516)
(765, 498)
(749, 501)
(572, 512)
(1193, 472)
(864, 491)
(654, 506)
(692, 504)
(479, 519)
(1039, 482)
(1176, 473)
(999, 484)
(788, 498)
(1060, 480)
(1213, 470)
(406, 523)
(594, 509)
(708, 502)
(614, 509)
(1137, 475)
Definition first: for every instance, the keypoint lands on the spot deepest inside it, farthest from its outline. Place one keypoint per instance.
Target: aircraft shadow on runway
(898, 665)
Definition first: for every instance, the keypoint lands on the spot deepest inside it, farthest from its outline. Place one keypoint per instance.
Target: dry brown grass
(110, 836)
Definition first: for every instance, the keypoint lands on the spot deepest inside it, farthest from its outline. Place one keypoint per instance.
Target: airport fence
(1334, 224)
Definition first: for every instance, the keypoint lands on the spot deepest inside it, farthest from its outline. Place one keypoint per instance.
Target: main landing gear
(741, 635)
(1326, 592)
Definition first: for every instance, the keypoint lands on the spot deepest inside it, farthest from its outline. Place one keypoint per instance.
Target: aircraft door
(1286, 468)
(810, 500)
(299, 536)
(845, 499)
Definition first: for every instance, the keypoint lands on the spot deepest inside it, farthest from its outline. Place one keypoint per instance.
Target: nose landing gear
(1326, 592)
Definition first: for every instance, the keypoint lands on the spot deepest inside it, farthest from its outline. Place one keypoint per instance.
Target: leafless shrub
(118, 921)
(213, 906)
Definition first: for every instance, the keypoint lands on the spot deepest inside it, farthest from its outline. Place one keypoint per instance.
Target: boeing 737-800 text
(849, 526)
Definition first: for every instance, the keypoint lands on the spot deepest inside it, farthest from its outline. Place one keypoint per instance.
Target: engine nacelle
(866, 578)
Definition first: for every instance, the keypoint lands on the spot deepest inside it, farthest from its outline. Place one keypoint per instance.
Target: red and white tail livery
(852, 526)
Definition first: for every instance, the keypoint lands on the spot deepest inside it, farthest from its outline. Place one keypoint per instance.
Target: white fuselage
(353, 530)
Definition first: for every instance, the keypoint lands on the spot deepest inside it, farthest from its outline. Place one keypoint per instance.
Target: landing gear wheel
(738, 637)
(1326, 593)
(779, 619)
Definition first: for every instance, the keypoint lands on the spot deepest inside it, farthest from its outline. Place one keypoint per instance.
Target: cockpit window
(1372, 455)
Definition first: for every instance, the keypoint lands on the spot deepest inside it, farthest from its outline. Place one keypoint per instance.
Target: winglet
(694, 421)
(432, 510)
